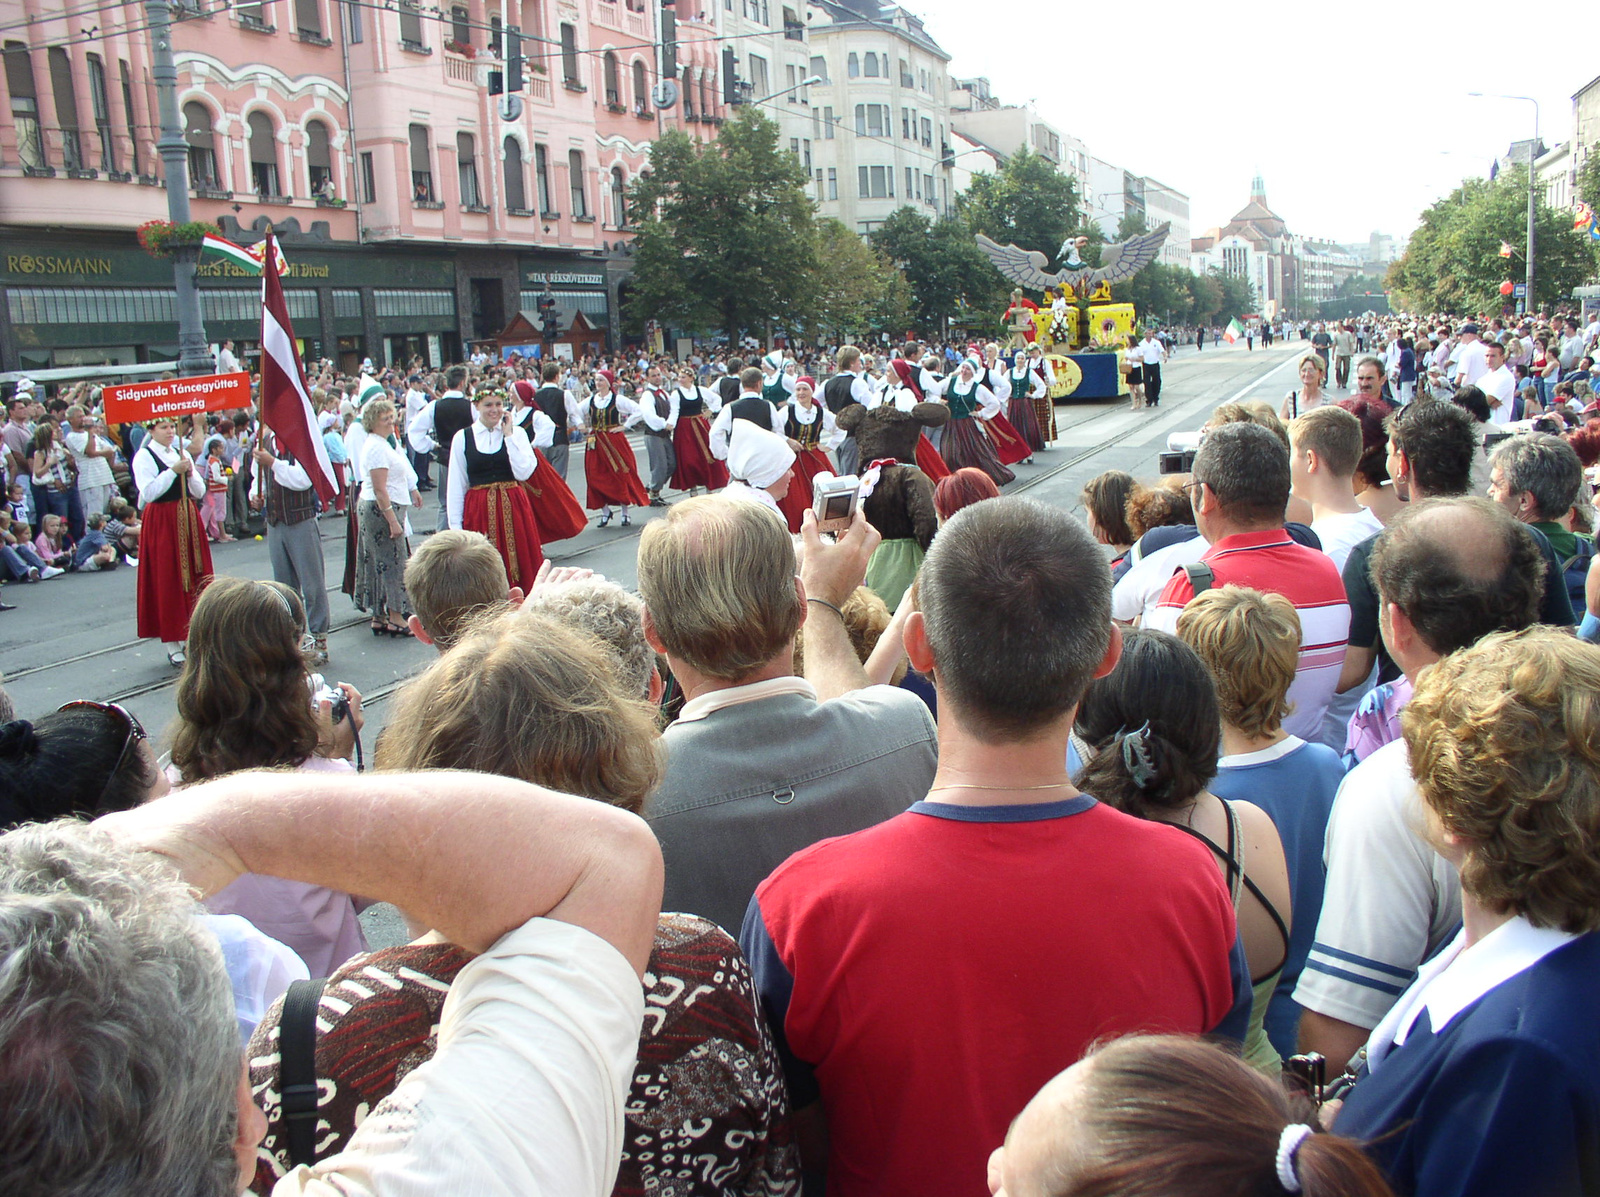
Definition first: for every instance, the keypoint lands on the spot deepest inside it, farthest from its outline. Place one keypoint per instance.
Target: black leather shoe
(5, 606)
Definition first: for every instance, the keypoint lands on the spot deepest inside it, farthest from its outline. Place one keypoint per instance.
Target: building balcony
(520, 212)
(644, 112)
(82, 172)
(255, 24)
(460, 70)
(207, 191)
(478, 209)
(573, 85)
(415, 47)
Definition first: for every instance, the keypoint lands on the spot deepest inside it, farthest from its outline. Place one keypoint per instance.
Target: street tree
(726, 231)
(858, 288)
(942, 265)
(1453, 262)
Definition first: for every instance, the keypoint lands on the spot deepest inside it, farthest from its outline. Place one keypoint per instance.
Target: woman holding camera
(174, 559)
(246, 701)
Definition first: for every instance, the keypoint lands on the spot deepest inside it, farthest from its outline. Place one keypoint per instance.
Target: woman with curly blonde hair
(1482, 1077)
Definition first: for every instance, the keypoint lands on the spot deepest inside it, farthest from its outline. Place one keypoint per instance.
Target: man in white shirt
(1572, 342)
(1467, 363)
(748, 407)
(1152, 353)
(1324, 448)
(417, 395)
(1497, 383)
(558, 896)
(227, 363)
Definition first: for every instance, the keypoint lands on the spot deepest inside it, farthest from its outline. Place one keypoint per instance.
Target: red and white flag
(285, 400)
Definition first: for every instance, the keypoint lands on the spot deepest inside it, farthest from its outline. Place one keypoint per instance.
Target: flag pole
(258, 482)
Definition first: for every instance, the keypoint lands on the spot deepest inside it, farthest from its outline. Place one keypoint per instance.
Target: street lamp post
(1533, 154)
(193, 356)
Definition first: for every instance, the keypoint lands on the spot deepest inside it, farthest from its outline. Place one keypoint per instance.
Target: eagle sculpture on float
(1118, 262)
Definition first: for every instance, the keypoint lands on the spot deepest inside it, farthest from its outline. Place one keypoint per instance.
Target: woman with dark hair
(966, 486)
(1157, 1115)
(246, 701)
(1372, 485)
(1105, 501)
(1474, 401)
(1153, 729)
(86, 759)
(527, 695)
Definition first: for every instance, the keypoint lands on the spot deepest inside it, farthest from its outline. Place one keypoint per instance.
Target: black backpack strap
(1200, 576)
(297, 1069)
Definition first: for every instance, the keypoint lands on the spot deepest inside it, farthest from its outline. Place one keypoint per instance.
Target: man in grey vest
(294, 542)
(436, 425)
(655, 409)
(761, 763)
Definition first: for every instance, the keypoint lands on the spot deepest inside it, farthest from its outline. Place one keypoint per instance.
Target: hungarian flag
(1233, 332)
(285, 401)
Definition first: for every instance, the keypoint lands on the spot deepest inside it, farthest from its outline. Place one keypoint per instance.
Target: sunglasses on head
(133, 731)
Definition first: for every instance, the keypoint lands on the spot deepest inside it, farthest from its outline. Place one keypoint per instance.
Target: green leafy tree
(945, 271)
(1029, 203)
(1453, 261)
(726, 231)
(859, 290)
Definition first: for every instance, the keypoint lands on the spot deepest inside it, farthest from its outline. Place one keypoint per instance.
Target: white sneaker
(133, 561)
(51, 571)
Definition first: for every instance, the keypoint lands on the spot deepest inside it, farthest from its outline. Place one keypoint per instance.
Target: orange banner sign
(135, 402)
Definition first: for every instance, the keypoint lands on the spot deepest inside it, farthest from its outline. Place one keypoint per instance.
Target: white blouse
(488, 440)
(378, 454)
(153, 472)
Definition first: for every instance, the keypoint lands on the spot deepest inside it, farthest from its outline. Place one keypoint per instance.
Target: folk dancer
(748, 405)
(433, 429)
(1009, 444)
(1044, 407)
(965, 442)
(1023, 382)
(760, 465)
(914, 385)
(848, 386)
(610, 470)
(655, 418)
(696, 465)
(489, 461)
(556, 512)
(174, 559)
(812, 432)
(283, 492)
(777, 378)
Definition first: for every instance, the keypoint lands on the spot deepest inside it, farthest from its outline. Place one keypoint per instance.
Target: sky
(1356, 114)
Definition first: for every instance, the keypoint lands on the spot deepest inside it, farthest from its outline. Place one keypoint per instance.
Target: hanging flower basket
(159, 238)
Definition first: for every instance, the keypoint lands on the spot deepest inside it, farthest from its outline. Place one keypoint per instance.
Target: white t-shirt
(1341, 532)
(1151, 351)
(1469, 362)
(1390, 902)
(1499, 384)
(1136, 594)
(537, 1042)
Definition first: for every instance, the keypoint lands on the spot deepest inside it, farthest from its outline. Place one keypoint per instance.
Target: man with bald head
(1448, 572)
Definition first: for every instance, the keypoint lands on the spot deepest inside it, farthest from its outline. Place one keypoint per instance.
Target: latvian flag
(1233, 332)
(285, 402)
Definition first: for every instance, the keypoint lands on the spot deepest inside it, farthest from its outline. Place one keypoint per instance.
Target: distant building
(1010, 127)
(1585, 123)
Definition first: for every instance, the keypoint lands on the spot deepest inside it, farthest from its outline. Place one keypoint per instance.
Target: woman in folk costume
(556, 512)
(1009, 444)
(1043, 405)
(905, 394)
(778, 378)
(809, 425)
(174, 559)
(490, 460)
(1024, 415)
(691, 435)
(965, 441)
(610, 470)
(354, 438)
(761, 466)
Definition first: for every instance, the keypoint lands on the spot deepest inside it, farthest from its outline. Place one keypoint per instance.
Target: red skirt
(611, 472)
(696, 466)
(929, 461)
(807, 465)
(502, 512)
(174, 566)
(1008, 443)
(556, 513)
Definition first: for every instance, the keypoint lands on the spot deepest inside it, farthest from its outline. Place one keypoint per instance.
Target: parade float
(1084, 333)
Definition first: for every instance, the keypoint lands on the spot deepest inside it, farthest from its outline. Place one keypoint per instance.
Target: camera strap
(297, 1069)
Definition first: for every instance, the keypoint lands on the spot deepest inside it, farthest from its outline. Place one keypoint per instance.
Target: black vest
(602, 419)
(552, 400)
(450, 416)
(809, 435)
(690, 407)
(177, 490)
(728, 388)
(836, 394)
(753, 408)
(484, 468)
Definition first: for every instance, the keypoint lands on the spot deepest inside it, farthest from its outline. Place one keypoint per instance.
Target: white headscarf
(756, 456)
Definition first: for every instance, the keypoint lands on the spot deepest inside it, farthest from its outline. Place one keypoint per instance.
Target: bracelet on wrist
(829, 606)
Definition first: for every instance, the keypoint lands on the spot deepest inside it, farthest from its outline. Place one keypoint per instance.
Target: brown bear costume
(901, 505)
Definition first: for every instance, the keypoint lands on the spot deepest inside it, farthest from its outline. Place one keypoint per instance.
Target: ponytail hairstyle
(1153, 726)
(1162, 1114)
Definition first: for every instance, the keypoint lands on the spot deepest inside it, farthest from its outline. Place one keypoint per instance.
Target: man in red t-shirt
(926, 976)
(1240, 490)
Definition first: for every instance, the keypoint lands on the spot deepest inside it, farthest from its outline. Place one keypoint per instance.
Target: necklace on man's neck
(972, 785)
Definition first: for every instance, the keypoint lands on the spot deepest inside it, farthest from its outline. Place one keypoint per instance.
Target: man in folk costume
(435, 426)
(812, 432)
(294, 542)
(174, 559)
(489, 461)
(655, 415)
(1019, 319)
(562, 409)
(727, 387)
(697, 466)
(355, 436)
(749, 405)
(848, 386)
(610, 470)
(912, 386)
(760, 465)
(1043, 405)
(965, 441)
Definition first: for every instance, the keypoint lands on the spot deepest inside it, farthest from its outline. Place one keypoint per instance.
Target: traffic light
(513, 58)
(730, 77)
(669, 39)
(548, 320)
